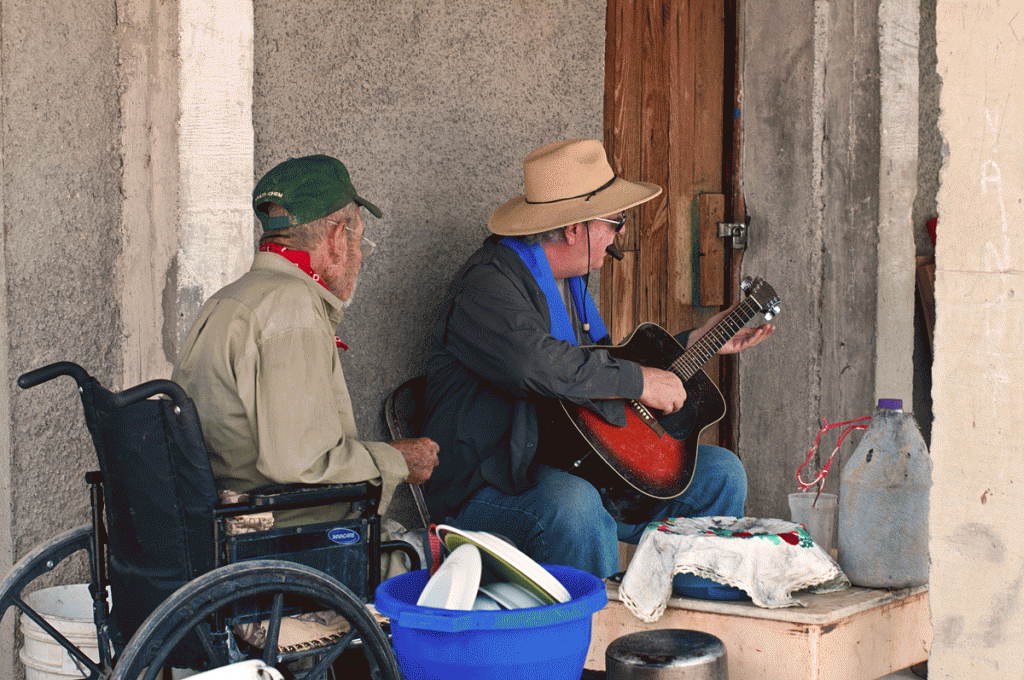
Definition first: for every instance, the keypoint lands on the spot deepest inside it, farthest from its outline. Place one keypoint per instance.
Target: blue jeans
(561, 520)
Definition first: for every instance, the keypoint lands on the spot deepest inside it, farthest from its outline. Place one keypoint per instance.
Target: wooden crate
(855, 634)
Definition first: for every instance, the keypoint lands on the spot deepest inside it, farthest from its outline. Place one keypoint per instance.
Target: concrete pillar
(188, 164)
(977, 573)
(898, 22)
(149, 210)
(215, 152)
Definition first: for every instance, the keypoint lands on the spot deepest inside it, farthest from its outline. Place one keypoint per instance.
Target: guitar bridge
(647, 417)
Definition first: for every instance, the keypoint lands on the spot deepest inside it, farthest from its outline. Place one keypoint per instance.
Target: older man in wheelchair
(236, 512)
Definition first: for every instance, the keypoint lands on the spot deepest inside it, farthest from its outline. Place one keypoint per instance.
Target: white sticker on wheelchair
(343, 536)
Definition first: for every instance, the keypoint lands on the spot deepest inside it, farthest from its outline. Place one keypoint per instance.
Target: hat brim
(519, 218)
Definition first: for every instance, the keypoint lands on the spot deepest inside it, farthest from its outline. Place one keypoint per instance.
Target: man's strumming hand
(663, 390)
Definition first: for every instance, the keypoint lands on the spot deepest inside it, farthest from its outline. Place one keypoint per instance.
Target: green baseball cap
(309, 188)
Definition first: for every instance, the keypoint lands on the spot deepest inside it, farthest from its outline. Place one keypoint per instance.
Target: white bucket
(69, 610)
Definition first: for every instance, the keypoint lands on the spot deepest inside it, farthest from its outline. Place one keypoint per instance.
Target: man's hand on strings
(744, 339)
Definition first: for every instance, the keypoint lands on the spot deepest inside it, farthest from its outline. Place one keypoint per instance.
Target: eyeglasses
(619, 224)
(366, 246)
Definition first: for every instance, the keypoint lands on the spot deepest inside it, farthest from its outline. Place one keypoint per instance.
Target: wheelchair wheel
(43, 559)
(203, 610)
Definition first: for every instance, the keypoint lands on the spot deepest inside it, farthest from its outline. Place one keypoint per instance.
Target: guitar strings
(701, 352)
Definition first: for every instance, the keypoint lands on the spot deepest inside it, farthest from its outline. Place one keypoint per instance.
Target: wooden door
(669, 96)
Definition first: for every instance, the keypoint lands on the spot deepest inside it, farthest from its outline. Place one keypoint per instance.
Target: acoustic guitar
(641, 464)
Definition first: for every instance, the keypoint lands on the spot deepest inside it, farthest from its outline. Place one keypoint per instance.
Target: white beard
(345, 304)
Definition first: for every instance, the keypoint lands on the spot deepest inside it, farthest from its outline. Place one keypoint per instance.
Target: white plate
(508, 562)
(511, 595)
(485, 602)
(454, 585)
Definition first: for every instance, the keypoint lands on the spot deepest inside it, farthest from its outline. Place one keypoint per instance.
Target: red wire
(823, 473)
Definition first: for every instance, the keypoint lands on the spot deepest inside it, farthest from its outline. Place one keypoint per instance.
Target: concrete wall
(433, 106)
(60, 204)
(810, 165)
(977, 556)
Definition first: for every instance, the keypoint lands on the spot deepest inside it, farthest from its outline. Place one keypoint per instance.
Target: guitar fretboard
(694, 358)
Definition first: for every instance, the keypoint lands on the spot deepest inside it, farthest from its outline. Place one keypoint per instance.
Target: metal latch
(737, 231)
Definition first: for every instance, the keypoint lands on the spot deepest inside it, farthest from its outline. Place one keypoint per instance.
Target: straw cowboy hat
(567, 182)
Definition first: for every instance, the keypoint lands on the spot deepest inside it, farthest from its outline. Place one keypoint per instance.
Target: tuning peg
(746, 284)
(771, 312)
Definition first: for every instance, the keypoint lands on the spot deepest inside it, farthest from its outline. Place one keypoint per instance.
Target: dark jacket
(493, 363)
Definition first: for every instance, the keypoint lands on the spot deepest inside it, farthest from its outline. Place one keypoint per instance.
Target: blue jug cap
(893, 404)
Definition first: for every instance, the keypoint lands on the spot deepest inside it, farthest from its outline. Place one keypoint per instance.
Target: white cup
(820, 520)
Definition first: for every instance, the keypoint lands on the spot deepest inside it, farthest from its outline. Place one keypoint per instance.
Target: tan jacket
(262, 366)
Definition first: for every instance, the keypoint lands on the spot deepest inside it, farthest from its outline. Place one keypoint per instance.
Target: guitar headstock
(760, 293)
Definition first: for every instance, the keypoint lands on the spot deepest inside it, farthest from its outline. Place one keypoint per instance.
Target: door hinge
(737, 231)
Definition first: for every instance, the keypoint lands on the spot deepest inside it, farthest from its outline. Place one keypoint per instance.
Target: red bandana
(301, 260)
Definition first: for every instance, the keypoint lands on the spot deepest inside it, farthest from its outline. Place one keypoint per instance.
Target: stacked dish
(484, 572)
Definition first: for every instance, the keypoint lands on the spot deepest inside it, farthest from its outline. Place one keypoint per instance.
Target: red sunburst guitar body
(652, 457)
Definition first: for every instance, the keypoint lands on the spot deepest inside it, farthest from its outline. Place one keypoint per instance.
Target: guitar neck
(696, 356)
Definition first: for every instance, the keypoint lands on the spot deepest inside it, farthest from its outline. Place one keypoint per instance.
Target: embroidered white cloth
(769, 559)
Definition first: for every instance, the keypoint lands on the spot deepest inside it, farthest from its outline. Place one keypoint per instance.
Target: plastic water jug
(883, 503)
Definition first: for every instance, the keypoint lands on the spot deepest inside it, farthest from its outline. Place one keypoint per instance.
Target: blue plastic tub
(547, 642)
(691, 585)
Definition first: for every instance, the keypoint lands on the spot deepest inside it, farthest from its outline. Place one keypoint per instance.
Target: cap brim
(374, 210)
(519, 218)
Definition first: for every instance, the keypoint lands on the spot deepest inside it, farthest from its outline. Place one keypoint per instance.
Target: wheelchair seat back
(160, 495)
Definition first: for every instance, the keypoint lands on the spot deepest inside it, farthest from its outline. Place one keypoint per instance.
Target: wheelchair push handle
(47, 373)
(122, 399)
(151, 389)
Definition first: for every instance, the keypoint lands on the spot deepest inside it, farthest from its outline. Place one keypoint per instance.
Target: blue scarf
(536, 260)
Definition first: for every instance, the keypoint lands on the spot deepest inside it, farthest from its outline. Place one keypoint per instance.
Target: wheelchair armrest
(290, 496)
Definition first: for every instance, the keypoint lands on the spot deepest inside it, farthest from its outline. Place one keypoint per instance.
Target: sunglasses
(619, 224)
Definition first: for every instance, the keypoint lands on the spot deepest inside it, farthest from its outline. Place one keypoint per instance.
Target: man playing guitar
(508, 348)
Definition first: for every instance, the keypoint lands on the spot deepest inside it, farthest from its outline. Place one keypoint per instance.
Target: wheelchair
(182, 584)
